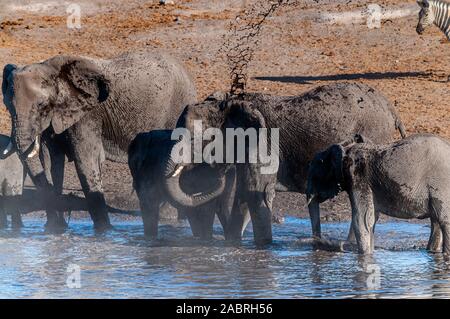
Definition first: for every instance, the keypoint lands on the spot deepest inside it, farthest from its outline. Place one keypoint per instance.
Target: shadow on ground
(351, 76)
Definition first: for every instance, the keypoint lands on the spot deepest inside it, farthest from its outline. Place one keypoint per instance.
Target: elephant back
(309, 123)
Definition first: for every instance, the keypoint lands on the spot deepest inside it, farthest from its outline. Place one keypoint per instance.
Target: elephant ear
(6, 72)
(244, 114)
(336, 157)
(81, 87)
(137, 153)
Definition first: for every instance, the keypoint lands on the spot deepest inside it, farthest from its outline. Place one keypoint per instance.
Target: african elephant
(307, 124)
(90, 110)
(405, 179)
(12, 175)
(147, 156)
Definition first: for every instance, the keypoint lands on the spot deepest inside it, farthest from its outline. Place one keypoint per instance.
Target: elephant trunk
(173, 172)
(28, 146)
(23, 137)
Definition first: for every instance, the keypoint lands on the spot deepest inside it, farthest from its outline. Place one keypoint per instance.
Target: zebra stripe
(441, 12)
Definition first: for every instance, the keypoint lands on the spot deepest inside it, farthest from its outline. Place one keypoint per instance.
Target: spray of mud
(243, 38)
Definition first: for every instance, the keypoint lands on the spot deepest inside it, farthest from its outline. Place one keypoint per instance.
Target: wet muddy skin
(122, 264)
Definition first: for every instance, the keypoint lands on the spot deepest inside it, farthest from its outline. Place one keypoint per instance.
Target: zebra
(434, 11)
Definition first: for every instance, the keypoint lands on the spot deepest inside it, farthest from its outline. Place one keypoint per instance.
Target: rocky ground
(301, 47)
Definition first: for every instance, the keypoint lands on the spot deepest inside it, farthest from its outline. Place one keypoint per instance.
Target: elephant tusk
(8, 148)
(36, 147)
(311, 199)
(178, 171)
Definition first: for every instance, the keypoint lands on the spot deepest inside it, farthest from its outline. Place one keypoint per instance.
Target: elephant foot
(101, 227)
(101, 220)
(3, 220)
(231, 237)
(55, 223)
(55, 227)
(150, 237)
(263, 242)
(16, 224)
(435, 247)
(16, 221)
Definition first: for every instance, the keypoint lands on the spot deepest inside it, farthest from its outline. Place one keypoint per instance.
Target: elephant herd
(337, 137)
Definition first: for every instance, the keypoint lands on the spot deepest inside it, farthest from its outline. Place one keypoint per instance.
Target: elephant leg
(53, 161)
(201, 220)
(208, 225)
(193, 222)
(444, 222)
(351, 238)
(445, 227)
(363, 216)
(225, 201)
(435, 241)
(16, 218)
(314, 215)
(181, 215)
(150, 215)
(206, 217)
(261, 216)
(3, 218)
(88, 156)
(238, 221)
(256, 194)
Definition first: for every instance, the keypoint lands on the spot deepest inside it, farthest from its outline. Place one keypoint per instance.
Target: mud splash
(122, 264)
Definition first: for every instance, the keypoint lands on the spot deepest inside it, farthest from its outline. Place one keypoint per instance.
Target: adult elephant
(307, 123)
(90, 109)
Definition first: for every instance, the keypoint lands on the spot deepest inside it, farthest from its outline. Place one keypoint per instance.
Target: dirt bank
(299, 50)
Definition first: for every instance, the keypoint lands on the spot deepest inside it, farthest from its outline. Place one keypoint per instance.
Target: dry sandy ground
(298, 50)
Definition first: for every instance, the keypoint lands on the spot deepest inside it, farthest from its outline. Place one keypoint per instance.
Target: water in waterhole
(123, 264)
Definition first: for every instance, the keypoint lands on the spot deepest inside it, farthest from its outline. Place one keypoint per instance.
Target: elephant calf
(407, 179)
(157, 180)
(11, 179)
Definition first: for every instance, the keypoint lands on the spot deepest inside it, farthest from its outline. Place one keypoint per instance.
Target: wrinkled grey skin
(406, 179)
(89, 110)
(308, 123)
(147, 156)
(12, 175)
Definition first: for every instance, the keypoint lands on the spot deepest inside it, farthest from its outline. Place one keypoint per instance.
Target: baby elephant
(11, 179)
(147, 160)
(407, 179)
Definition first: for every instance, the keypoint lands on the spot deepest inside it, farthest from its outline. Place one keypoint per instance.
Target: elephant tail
(400, 127)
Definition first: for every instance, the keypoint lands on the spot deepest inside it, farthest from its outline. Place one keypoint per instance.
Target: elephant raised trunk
(173, 172)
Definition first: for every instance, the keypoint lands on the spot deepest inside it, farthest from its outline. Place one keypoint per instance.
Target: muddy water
(123, 264)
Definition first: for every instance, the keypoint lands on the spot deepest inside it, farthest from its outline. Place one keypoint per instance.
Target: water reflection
(123, 264)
